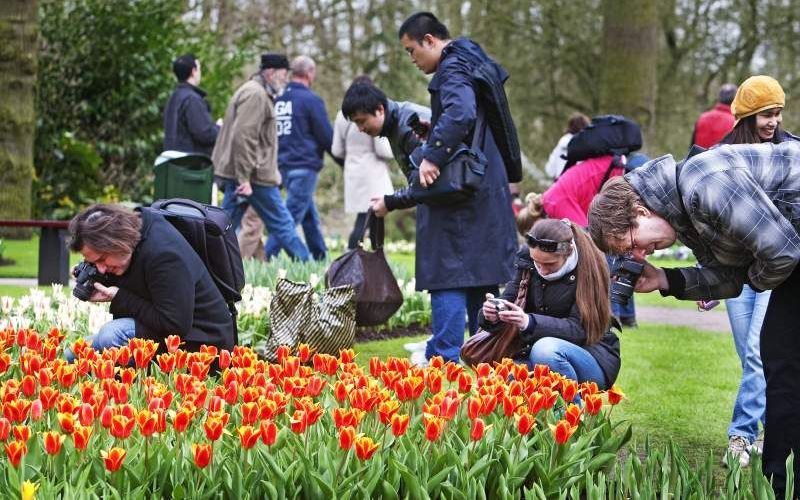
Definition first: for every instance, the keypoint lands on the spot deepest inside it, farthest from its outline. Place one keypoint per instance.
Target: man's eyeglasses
(549, 246)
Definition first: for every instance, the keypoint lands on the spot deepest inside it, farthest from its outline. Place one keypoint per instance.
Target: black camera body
(416, 125)
(86, 275)
(627, 274)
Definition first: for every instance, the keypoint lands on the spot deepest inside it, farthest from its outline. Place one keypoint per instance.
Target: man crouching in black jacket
(155, 281)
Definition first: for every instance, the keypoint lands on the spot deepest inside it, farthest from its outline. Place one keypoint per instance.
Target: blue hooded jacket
(304, 129)
(467, 244)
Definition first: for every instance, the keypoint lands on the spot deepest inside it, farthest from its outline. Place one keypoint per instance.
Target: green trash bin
(183, 175)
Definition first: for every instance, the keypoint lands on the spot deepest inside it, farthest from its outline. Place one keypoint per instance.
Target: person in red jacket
(715, 123)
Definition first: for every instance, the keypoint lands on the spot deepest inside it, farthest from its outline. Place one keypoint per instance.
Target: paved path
(18, 281)
(712, 321)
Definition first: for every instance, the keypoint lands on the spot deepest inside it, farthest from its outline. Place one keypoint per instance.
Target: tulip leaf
(436, 480)
(388, 492)
(178, 493)
(324, 485)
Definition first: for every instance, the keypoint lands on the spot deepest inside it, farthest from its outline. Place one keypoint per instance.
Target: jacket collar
(390, 118)
(656, 183)
(723, 107)
(523, 261)
(189, 86)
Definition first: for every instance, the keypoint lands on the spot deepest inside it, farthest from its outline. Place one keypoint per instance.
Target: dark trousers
(780, 354)
(358, 231)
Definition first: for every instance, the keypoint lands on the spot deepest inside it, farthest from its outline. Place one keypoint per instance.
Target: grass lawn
(25, 253)
(680, 383)
(13, 290)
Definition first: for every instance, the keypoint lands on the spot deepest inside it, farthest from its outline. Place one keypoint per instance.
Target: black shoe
(629, 321)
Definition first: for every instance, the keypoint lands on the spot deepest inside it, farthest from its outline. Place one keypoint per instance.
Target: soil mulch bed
(368, 334)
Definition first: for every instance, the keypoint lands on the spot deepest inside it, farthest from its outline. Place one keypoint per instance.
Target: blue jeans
(267, 202)
(618, 310)
(300, 186)
(448, 319)
(115, 333)
(568, 359)
(746, 314)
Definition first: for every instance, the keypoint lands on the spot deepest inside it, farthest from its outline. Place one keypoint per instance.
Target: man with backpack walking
(156, 283)
(463, 248)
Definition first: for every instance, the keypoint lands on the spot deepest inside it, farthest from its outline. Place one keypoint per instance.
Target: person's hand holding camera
(652, 278)
(490, 308)
(103, 293)
(514, 314)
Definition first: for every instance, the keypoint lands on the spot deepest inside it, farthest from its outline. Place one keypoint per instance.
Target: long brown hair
(591, 295)
(745, 132)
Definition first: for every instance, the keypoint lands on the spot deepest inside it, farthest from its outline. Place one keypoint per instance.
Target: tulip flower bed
(132, 423)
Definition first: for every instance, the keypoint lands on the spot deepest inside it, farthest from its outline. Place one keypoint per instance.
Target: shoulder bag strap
(376, 228)
(522, 291)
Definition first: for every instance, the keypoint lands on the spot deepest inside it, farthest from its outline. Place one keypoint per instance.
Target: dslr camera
(627, 274)
(416, 125)
(86, 275)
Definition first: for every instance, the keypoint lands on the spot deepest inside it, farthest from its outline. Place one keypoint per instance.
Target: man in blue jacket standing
(466, 249)
(188, 126)
(304, 135)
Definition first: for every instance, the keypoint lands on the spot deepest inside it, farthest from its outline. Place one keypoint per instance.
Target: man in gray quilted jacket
(738, 208)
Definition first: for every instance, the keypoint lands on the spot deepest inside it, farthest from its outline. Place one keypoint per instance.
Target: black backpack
(606, 134)
(209, 231)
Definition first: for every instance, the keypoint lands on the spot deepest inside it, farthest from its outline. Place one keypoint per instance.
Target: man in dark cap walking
(246, 156)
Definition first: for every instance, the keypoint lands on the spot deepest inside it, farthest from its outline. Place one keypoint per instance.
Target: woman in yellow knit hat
(758, 108)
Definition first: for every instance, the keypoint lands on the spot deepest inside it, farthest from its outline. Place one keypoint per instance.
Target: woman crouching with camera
(566, 318)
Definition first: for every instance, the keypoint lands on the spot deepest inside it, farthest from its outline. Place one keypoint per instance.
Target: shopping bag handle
(376, 230)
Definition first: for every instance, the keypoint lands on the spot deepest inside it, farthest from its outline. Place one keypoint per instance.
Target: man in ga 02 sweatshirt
(304, 135)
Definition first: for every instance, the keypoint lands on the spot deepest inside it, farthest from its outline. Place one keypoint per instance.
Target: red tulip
(387, 409)
(464, 382)
(572, 414)
(304, 352)
(399, 424)
(52, 442)
(248, 436)
(5, 428)
(48, 396)
(593, 403)
(28, 385)
(80, 436)
(36, 410)
(562, 431)
(525, 423)
(202, 454)
(182, 419)
(121, 426)
(269, 432)
(147, 421)
(569, 389)
(365, 447)
(15, 451)
(224, 359)
(347, 356)
(113, 458)
(173, 343)
(213, 427)
(86, 414)
(615, 395)
(347, 436)
(298, 423)
(282, 352)
(434, 426)
(22, 433)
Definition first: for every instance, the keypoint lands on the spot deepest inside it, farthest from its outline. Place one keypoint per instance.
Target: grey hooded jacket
(737, 207)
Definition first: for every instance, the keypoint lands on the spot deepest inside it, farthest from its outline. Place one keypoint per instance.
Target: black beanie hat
(271, 60)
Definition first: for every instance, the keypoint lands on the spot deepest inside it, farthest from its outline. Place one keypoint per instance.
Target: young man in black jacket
(188, 126)
(155, 282)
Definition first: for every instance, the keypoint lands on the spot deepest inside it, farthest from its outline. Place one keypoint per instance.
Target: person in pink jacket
(569, 197)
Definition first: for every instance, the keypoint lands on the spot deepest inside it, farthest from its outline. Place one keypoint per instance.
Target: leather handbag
(377, 295)
(459, 179)
(488, 347)
(299, 315)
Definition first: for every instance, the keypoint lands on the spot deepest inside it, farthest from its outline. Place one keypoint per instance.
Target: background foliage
(104, 71)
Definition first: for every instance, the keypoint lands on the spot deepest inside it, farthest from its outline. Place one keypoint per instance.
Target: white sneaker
(418, 359)
(738, 448)
(416, 346)
(758, 446)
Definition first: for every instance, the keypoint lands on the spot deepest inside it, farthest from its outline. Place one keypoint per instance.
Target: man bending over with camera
(738, 208)
(155, 282)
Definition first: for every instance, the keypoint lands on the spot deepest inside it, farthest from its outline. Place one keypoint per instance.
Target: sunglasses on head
(549, 246)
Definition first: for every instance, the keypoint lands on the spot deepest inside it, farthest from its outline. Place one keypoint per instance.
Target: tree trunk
(18, 50)
(629, 63)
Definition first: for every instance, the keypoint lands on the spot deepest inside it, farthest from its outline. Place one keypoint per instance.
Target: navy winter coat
(304, 129)
(469, 244)
(188, 126)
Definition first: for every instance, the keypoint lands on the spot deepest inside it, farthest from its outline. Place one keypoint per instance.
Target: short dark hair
(183, 66)
(423, 23)
(727, 93)
(362, 98)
